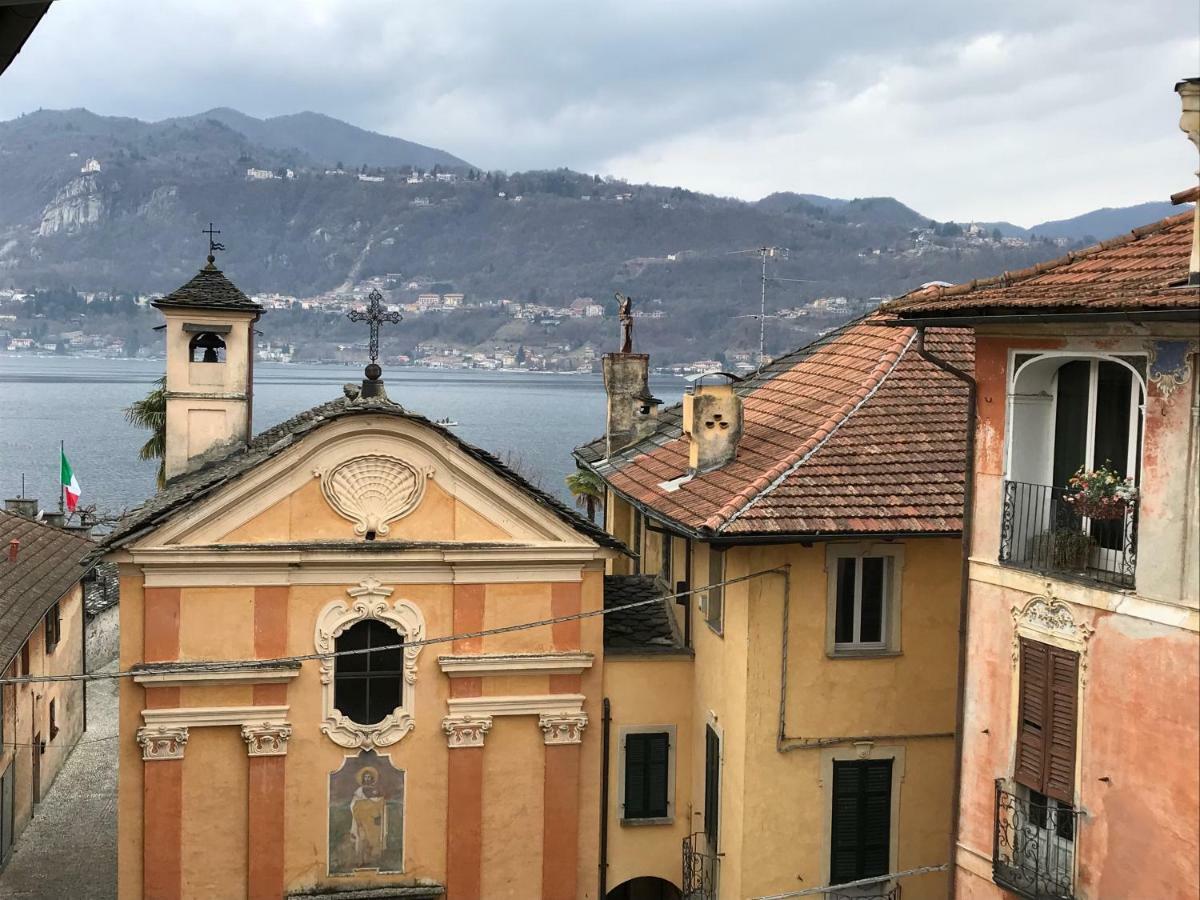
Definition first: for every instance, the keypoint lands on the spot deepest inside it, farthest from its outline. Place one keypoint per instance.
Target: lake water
(537, 418)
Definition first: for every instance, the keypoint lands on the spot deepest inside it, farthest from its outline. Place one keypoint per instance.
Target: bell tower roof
(209, 289)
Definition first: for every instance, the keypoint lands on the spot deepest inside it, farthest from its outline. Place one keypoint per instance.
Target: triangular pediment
(384, 478)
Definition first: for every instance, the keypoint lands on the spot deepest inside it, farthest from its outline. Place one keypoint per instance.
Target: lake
(532, 419)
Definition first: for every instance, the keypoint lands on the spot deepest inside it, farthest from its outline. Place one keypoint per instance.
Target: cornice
(497, 664)
(213, 677)
(529, 705)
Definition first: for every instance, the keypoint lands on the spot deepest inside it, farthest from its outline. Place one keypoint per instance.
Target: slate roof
(49, 562)
(1145, 270)
(853, 434)
(209, 289)
(186, 490)
(643, 629)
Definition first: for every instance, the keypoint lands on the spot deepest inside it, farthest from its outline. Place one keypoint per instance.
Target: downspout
(250, 380)
(605, 729)
(686, 600)
(963, 599)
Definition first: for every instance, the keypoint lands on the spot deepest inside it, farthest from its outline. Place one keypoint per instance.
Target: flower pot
(1098, 507)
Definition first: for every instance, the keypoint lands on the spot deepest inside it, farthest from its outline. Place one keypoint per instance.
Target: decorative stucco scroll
(373, 490)
(563, 728)
(1046, 617)
(162, 742)
(266, 739)
(1171, 364)
(466, 730)
(370, 601)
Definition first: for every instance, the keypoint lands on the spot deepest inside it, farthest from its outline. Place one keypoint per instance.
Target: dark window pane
(350, 697)
(1070, 420)
(871, 617)
(712, 785)
(844, 623)
(383, 696)
(1111, 445)
(356, 637)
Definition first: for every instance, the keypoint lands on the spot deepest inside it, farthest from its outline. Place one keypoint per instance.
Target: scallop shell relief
(372, 491)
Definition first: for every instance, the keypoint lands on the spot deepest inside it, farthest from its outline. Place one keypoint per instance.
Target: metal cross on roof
(374, 315)
(213, 246)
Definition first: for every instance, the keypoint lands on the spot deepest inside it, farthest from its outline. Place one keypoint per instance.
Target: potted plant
(1100, 493)
(1062, 549)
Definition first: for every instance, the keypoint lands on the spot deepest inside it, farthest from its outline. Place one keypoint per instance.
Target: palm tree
(587, 488)
(151, 412)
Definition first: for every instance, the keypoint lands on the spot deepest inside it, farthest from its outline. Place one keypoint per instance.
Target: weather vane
(213, 246)
(374, 315)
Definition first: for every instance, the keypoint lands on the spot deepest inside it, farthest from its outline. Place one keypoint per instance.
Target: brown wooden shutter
(1063, 700)
(1032, 715)
(1047, 719)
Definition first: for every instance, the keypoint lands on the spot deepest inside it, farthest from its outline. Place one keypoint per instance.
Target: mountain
(1101, 224)
(132, 222)
(328, 140)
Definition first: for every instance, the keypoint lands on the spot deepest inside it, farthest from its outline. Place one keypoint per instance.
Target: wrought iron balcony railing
(700, 866)
(1033, 845)
(1043, 530)
(873, 893)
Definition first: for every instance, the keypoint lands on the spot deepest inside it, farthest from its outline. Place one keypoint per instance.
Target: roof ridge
(1006, 279)
(765, 482)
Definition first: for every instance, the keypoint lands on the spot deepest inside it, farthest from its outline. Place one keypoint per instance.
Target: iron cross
(375, 315)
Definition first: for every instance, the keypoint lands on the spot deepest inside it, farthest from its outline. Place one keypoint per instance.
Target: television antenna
(764, 254)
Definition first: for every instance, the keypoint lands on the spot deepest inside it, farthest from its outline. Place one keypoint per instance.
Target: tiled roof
(854, 433)
(643, 629)
(188, 489)
(49, 562)
(1144, 270)
(209, 289)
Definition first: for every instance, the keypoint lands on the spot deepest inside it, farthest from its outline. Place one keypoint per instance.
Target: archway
(647, 887)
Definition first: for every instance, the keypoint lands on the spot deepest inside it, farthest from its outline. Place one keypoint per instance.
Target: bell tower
(210, 367)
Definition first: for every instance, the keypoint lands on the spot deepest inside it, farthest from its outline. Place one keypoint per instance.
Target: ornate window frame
(369, 601)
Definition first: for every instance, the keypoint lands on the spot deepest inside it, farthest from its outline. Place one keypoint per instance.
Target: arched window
(368, 680)
(211, 347)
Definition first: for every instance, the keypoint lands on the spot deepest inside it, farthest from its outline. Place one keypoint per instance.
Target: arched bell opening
(208, 346)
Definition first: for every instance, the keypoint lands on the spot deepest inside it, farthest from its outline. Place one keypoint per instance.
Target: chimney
(632, 410)
(55, 519)
(25, 507)
(1189, 123)
(712, 422)
(14, 547)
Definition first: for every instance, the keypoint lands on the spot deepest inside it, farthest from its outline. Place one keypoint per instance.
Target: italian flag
(69, 485)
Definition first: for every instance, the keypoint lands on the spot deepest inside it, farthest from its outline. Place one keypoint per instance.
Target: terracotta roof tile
(49, 562)
(854, 433)
(1146, 269)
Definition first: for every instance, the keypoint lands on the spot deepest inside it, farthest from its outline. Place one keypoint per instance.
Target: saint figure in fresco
(368, 819)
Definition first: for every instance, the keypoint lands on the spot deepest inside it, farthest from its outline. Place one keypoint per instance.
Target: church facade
(294, 725)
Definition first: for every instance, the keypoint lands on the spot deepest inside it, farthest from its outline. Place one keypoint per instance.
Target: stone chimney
(632, 409)
(210, 369)
(1189, 123)
(22, 506)
(712, 422)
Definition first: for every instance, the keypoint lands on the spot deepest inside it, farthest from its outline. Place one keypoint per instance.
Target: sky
(1021, 111)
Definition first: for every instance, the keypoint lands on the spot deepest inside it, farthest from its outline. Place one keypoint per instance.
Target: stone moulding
(370, 601)
(1048, 617)
(162, 741)
(373, 490)
(1170, 364)
(563, 728)
(266, 739)
(466, 730)
(497, 664)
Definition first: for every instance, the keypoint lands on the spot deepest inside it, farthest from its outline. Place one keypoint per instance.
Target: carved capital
(162, 741)
(266, 739)
(563, 728)
(466, 730)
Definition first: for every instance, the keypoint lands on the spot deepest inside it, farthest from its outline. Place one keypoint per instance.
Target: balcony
(700, 866)
(872, 893)
(1033, 845)
(1041, 531)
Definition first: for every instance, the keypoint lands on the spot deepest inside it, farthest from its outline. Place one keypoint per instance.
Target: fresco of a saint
(366, 815)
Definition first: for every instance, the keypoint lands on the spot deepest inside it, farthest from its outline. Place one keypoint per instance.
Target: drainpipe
(963, 598)
(605, 729)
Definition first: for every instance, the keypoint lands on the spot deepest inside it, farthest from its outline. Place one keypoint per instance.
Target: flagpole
(62, 452)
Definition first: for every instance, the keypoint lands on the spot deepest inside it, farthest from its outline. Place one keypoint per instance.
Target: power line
(862, 882)
(227, 665)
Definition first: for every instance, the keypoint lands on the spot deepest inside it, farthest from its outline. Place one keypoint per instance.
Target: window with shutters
(712, 785)
(860, 833)
(863, 612)
(647, 785)
(1047, 717)
(713, 598)
(53, 627)
(368, 679)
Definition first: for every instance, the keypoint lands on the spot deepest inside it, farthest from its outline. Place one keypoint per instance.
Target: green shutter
(861, 830)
